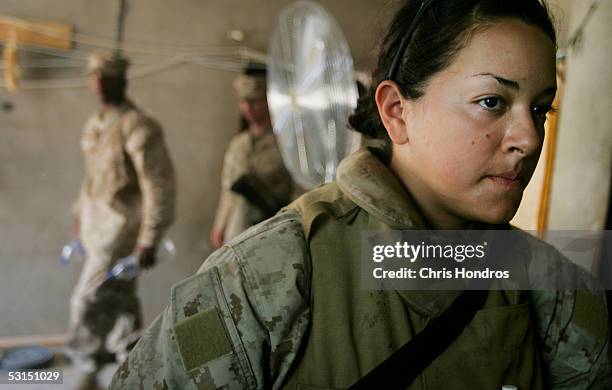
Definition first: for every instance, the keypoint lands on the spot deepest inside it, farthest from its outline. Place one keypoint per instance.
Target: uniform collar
(105, 117)
(365, 180)
(269, 133)
(370, 184)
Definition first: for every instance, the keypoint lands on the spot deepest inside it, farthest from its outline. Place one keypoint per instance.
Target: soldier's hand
(146, 256)
(76, 228)
(216, 238)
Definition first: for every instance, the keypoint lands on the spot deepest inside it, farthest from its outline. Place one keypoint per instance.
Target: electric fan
(311, 92)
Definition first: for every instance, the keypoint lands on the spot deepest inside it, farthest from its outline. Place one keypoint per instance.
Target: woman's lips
(509, 182)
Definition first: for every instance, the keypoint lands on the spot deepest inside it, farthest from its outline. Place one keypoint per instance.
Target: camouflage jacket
(261, 160)
(244, 320)
(128, 176)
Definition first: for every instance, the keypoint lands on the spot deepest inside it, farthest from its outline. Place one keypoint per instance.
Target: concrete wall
(581, 179)
(40, 163)
(527, 215)
(583, 150)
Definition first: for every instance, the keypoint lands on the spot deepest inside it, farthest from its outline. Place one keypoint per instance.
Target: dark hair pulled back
(443, 31)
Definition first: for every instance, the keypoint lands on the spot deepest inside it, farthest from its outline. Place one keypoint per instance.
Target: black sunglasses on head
(397, 60)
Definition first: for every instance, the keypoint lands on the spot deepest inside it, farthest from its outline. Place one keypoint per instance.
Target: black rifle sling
(399, 370)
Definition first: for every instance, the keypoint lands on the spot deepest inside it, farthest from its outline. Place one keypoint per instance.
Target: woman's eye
(491, 103)
(541, 111)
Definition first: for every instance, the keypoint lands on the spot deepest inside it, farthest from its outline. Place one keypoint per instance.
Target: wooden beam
(42, 34)
(551, 142)
(56, 340)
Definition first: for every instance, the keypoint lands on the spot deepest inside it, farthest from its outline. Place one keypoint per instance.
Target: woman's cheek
(453, 170)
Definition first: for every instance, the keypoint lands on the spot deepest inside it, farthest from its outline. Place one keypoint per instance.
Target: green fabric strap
(196, 350)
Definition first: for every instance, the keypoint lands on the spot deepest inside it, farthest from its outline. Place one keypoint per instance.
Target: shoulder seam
(233, 333)
(260, 229)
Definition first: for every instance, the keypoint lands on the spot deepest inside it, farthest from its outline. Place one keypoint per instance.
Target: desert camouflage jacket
(244, 320)
(128, 173)
(259, 160)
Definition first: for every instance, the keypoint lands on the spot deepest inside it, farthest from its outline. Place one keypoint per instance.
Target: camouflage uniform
(282, 307)
(126, 199)
(260, 159)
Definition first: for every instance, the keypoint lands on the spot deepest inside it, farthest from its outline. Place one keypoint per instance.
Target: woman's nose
(523, 135)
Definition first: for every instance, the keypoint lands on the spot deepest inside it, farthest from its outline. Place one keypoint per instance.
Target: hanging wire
(66, 63)
(84, 82)
(50, 63)
(143, 71)
(148, 59)
(236, 55)
(133, 47)
(81, 55)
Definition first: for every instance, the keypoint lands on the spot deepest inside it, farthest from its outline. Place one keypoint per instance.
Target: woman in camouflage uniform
(462, 117)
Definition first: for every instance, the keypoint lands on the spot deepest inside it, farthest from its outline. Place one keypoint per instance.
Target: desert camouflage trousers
(105, 315)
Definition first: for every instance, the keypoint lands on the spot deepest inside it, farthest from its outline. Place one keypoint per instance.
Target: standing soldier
(125, 204)
(254, 183)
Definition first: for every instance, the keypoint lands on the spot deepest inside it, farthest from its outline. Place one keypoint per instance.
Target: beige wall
(40, 165)
(583, 149)
(581, 180)
(527, 214)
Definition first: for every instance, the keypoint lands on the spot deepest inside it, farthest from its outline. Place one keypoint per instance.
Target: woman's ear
(389, 101)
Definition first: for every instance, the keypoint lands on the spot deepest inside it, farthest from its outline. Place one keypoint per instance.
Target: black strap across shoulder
(399, 370)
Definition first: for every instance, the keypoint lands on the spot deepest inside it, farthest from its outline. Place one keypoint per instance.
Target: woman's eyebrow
(502, 80)
(515, 85)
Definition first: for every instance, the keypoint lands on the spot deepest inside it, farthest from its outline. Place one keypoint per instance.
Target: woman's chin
(497, 214)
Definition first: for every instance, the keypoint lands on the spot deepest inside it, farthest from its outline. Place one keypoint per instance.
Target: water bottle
(72, 252)
(166, 251)
(127, 267)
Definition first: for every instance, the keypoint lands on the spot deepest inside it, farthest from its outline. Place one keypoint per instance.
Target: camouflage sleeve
(234, 165)
(146, 147)
(573, 329)
(237, 324)
(75, 209)
(269, 171)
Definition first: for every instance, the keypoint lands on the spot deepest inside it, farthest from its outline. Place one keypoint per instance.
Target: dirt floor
(70, 375)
